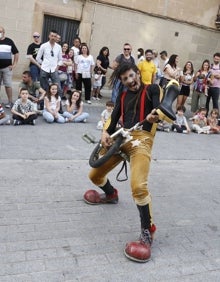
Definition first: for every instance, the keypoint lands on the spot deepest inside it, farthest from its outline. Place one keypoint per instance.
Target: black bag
(163, 82)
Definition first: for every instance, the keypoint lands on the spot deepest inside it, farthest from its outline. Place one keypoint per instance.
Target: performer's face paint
(131, 80)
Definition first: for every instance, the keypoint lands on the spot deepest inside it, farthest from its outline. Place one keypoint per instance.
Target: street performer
(139, 102)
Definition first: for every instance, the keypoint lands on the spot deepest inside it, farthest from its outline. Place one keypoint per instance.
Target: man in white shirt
(49, 57)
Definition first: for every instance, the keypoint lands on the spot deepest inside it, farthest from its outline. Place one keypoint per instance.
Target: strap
(124, 166)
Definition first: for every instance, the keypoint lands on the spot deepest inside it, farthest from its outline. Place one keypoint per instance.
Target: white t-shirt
(53, 102)
(84, 63)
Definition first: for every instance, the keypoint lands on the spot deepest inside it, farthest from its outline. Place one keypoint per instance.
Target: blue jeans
(50, 118)
(213, 93)
(44, 80)
(117, 88)
(35, 72)
(79, 118)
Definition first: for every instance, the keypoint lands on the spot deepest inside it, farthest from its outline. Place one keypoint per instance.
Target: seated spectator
(52, 105)
(106, 114)
(35, 92)
(23, 109)
(199, 122)
(213, 121)
(180, 125)
(163, 126)
(74, 106)
(4, 119)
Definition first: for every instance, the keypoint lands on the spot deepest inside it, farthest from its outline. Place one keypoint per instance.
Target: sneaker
(9, 105)
(8, 122)
(185, 131)
(140, 251)
(98, 98)
(88, 102)
(66, 120)
(33, 122)
(92, 197)
(93, 98)
(85, 120)
(166, 130)
(17, 122)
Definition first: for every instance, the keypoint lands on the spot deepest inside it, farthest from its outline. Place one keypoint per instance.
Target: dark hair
(78, 102)
(109, 104)
(53, 31)
(181, 108)
(149, 51)
(77, 37)
(205, 61)
(67, 51)
(192, 69)
(122, 68)
(216, 111)
(49, 93)
(102, 50)
(216, 54)
(96, 69)
(84, 45)
(163, 53)
(23, 89)
(28, 73)
(141, 50)
(172, 60)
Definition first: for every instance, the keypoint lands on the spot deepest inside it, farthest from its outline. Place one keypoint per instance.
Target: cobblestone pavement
(47, 232)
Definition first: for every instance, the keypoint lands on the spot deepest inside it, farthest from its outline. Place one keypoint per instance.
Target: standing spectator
(58, 39)
(102, 61)
(23, 110)
(214, 86)
(201, 78)
(140, 55)
(62, 70)
(157, 64)
(164, 57)
(4, 119)
(171, 70)
(186, 79)
(124, 57)
(147, 68)
(76, 50)
(35, 92)
(32, 51)
(84, 68)
(70, 70)
(97, 83)
(49, 57)
(7, 49)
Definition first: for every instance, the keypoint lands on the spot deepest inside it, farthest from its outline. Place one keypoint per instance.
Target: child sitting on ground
(97, 83)
(163, 126)
(24, 110)
(4, 119)
(106, 114)
(180, 125)
(213, 121)
(199, 122)
(74, 106)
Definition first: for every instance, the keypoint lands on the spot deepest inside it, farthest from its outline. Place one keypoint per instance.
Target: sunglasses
(51, 53)
(127, 49)
(36, 36)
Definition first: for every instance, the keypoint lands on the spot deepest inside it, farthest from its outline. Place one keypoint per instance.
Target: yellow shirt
(148, 71)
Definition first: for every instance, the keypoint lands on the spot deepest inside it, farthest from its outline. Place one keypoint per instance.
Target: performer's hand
(106, 139)
(152, 117)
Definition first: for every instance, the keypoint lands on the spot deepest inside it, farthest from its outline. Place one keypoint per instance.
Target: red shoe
(92, 197)
(140, 251)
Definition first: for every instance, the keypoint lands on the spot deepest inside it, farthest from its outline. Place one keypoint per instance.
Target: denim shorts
(6, 77)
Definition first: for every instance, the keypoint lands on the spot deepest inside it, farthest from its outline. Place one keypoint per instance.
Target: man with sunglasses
(124, 57)
(32, 51)
(49, 56)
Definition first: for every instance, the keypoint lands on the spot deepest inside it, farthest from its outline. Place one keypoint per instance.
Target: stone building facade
(186, 28)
